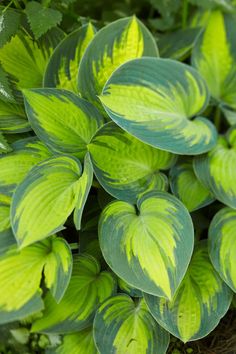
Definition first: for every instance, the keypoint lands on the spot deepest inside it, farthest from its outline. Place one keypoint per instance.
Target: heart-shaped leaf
(113, 45)
(125, 166)
(123, 326)
(216, 170)
(87, 289)
(154, 99)
(214, 56)
(64, 121)
(62, 68)
(150, 248)
(21, 293)
(76, 343)
(15, 165)
(201, 300)
(185, 185)
(222, 245)
(43, 201)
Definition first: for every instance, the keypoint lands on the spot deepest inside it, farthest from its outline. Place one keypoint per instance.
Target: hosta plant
(111, 157)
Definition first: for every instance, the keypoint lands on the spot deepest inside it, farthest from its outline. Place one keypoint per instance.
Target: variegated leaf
(85, 182)
(150, 248)
(4, 146)
(125, 166)
(13, 118)
(113, 45)
(123, 326)
(222, 245)
(88, 288)
(25, 59)
(62, 68)
(21, 273)
(62, 120)
(216, 170)
(6, 236)
(15, 165)
(185, 185)
(128, 289)
(76, 343)
(45, 198)
(214, 56)
(200, 302)
(154, 100)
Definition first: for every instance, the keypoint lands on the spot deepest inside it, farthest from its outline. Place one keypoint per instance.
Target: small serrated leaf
(9, 24)
(41, 19)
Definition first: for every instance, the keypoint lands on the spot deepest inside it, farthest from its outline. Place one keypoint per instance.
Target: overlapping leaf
(222, 245)
(21, 273)
(216, 170)
(43, 201)
(151, 248)
(88, 288)
(85, 183)
(6, 236)
(113, 45)
(64, 121)
(200, 302)
(185, 185)
(4, 146)
(128, 289)
(124, 327)
(25, 59)
(12, 118)
(15, 165)
(76, 343)
(62, 69)
(214, 56)
(154, 100)
(125, 166)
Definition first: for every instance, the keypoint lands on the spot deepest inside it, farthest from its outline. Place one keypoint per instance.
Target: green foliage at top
(117, 173)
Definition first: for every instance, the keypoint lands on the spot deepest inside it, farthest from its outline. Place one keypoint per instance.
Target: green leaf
(15, 165)
(6, 236)
(216, 170)
(178, 44)
(4, 147)
(185, 186)
(113, 45)
(128, 289)
(77, 343)
(45, 198)
(125, 166)
(124, 327)
(9, 24)
(25, 59)
(88, 288)
(214, 56)
(7, 89)
(83, 191)
(201, 300)
(62, 120)
(41, 19)
(21, 273)
(12, 118)
(151, 248)
(222, 245)
(62, 68)
(154, 99)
